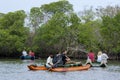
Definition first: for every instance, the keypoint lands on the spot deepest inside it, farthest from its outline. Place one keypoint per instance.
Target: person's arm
(50, 64)
(106, 56)
(67, 58)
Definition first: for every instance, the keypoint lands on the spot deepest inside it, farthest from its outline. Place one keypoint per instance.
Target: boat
(74, 68)
(34, 67)
(27, 57)
(60, 69)
(103, 65)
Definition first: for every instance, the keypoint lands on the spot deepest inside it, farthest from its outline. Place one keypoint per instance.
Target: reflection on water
(17, 70)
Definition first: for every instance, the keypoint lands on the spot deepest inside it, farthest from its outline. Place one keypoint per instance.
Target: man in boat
(49, 63)
(24, 53)
(66, 59)
(104, 58)
(57, 60)
(61, 59)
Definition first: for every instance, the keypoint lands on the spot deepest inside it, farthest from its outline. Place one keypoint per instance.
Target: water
(17, 70)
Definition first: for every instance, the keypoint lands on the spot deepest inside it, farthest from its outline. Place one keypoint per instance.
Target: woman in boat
(32, 55)
(99, 56)
(88, 61)
(91, 56)
(49, 63)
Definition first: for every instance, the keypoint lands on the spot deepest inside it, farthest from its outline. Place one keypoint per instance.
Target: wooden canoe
(75, 68)
(60, 69)
(32, 67)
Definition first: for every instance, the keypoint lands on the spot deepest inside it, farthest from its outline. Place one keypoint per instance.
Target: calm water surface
(17, 70)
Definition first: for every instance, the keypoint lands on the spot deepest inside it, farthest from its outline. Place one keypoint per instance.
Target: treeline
(54, 27)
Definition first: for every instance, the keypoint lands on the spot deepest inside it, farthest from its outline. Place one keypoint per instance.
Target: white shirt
(24, 53)
(49, 60)
(104, 57)
(99, 59)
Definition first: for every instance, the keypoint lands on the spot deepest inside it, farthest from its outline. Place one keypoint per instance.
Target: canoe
(60, 69)
(27, 57)
(99, 65)
(103, 65)
(74, 68)
(33, 67)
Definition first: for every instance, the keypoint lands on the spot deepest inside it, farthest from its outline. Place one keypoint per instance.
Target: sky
(78, 5)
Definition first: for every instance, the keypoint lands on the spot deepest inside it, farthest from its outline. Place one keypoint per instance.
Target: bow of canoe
(32, 67)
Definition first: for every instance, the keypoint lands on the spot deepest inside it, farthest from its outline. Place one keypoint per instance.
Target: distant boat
(27, 57)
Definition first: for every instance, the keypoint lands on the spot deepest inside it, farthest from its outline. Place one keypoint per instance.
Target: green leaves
(110, 32)
(13, 34)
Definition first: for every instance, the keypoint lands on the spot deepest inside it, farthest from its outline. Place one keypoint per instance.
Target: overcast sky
(78, 5)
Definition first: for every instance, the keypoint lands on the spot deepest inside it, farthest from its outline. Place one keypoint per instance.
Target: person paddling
(49, 63)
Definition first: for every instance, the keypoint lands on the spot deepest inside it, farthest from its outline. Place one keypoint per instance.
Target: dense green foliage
(54, 27)
(13, 34)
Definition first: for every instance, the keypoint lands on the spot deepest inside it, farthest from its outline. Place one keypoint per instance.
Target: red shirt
(32, 54)
(91, 56)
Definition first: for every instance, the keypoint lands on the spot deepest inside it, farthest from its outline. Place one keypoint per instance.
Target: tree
(36, 18)
(53, 32)
(110, 32)
(13, 34)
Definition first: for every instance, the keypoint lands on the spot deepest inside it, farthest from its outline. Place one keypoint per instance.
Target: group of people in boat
(61, 59)
(58, 60)
(31, 54)
(101, 57)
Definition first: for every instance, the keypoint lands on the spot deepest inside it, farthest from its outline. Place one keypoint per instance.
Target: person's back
(91, 56)
(64, 57)
(104, 57)
(32, 54)
(24, 53)
(99, 59)
(57, 60)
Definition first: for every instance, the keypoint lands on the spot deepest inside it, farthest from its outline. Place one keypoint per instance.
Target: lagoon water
(15, 69)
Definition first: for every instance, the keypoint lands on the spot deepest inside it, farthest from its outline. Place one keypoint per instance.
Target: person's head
(59, 53)
(65, 52)
(104, 51)
(51, 55)
(99, 53)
